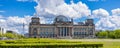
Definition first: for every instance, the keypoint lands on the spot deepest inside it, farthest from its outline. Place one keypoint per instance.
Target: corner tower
(33, 26)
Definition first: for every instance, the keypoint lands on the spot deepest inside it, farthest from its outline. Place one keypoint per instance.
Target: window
(35, 31)
(34, 20)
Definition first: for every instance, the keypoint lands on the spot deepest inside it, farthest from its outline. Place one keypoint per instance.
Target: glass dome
(61, 18)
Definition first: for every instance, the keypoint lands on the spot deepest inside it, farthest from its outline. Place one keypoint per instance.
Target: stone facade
(61, 28)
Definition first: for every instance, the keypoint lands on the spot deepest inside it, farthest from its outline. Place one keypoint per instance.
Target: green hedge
(44, 43)
(49, 45)
(37, 41)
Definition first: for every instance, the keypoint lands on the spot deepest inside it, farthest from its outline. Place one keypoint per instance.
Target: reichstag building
(62, 27)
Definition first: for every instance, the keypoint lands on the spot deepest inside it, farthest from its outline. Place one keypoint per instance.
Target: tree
(117, 33)
(102, 34)
(11, 35)
(111, 35)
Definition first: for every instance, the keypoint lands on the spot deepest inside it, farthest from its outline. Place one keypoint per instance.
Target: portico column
(69, 31)
(66, 31)
(60, 31)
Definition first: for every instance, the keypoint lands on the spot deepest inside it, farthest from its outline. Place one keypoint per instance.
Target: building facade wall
(83, 31)
(62, 30)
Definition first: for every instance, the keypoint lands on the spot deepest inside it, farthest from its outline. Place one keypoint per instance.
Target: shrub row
(50, 45)
(44, 43)
(36, 41)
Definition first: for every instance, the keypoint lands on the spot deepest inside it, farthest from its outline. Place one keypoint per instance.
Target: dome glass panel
(61, 18)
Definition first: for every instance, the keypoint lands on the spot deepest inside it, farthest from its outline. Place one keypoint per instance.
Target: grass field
(107, 43)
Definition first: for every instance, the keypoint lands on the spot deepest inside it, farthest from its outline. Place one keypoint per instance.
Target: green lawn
(107, 43)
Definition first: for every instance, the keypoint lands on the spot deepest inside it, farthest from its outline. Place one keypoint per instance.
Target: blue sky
(15, 8)
(106, 13)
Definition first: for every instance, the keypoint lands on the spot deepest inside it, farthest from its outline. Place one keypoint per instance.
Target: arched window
(35, 31)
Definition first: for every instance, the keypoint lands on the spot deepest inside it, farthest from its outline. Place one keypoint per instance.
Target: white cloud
(1, 16)
(14, 23)
(52, 8)
(99, 13)
(1, 11)
(59, 7)
(108, 23)
(116, 11)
